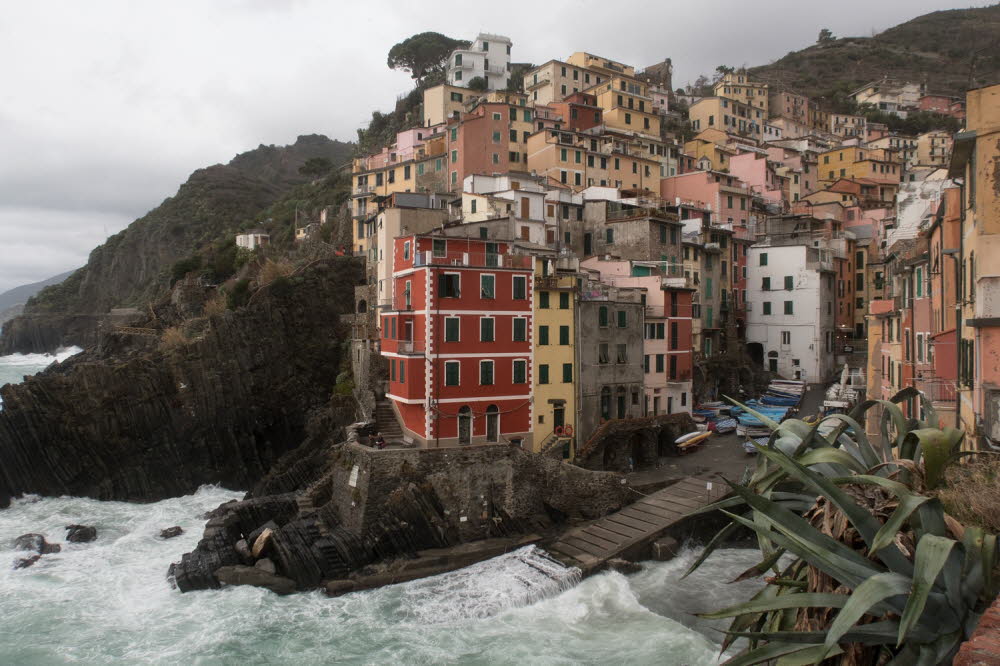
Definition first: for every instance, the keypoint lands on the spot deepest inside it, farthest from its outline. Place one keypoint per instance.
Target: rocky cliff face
(331, 510)
(139, 420)
(133, 267)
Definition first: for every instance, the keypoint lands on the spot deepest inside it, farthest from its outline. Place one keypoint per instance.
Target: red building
(458, 341)
(579, 111)
(489, 140)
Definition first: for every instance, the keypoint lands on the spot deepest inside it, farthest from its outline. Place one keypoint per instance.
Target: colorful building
(728, 115)
(488, 58)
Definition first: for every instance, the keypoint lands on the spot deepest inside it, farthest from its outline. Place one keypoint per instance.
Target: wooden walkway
(636, 525)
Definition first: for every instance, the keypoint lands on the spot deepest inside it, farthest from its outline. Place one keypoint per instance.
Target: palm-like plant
(876, 570)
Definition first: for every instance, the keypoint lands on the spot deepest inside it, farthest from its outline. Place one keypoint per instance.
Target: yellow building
(728, 115)
(933, 149)
(710, 144)
(555, 366)
(444, 102)
(579, 161)
(600, 64)
(738, 86)
(858, 162)
(627, 105)
(554, 80)
(974, 160)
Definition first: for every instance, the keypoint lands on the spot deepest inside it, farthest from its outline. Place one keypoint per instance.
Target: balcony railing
(411, 347)
(473, 259)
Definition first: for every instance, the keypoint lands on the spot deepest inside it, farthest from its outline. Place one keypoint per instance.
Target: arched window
(465, 425)
(492, 424)
(605, 403)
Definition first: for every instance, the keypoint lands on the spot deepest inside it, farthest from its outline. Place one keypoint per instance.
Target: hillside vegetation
(950, 51)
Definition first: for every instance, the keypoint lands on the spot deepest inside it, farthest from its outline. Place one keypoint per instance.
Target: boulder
(335, 588)
(26, 562)
(261, 543)
(624, 566)
(242, 549)
(269, 525)
(267, 565)
(80, 533)
(243, 575)
(36, 543)
(171, 532)
(665, 548)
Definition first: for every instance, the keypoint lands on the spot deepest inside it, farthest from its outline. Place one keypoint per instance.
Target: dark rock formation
(45, 333)
(80, 533)
(361, 505)
(641, 441)
(241, 575)
(171, 532)
(36, 543)
(25, 562)
(144, 421)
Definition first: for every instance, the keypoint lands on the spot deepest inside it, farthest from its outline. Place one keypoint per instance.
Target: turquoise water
(15, 367)
(109, 602)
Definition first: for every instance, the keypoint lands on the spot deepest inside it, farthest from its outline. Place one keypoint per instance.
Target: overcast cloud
(106, 107)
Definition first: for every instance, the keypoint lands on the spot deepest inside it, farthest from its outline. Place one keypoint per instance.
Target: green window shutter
(451, 374)
(543, 300)
(543, 335)
(520, 372)
(763, 258)
(789, 282)
(659, 362)
(563, 300)
(602, 316)
(543, 374)
(567, 373)
(486, 329)
(520, 288)
(788, 308)
(520, 330)
(767, 307)
(622, 319)
(488, 284)
(451, 327)
(564, 335)
(486, 373)
(766, 284)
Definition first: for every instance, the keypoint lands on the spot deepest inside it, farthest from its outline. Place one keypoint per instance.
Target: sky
(107, 106)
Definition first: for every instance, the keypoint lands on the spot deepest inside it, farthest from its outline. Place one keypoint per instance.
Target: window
(622, 319)
(786, 337)
(543, 335)
(602, 353)
(567, 373)
(543, 300)
(472, 206)
(645, 364)
(789, 308)
(392, 369)
(520, 372)
(659, 362)
(602, 316)
(543, 374)
(486, 329)
(609, 236)
(766, 284)
(451, 329)
(789, 283)
(520, 287)
(402, 371)
(452, 372)
(673, 335)
(763, 258)
(564, 335)
(448, 285)
(563, 300)
(486, 373)
(520, 329)
(488, 286)
(622, 353)
(767, 307)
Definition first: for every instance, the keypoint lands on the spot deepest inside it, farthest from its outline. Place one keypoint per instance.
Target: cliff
(141, 419)
(135, 266)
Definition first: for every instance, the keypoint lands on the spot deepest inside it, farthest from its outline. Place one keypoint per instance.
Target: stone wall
(983, 649)
(620, 444)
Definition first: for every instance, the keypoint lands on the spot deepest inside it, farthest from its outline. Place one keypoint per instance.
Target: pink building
(725, 195)
(803, 164)
(758, 172)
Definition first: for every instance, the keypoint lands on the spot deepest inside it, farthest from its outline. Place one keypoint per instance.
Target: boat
(725, 425)
(688, 436)
(691, 443)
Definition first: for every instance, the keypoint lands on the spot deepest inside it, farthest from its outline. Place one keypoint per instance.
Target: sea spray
(15, 367)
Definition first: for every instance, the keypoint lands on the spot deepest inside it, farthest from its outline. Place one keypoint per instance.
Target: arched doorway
(492, 424)
(605, 403)
(465, 425)
(756, 352)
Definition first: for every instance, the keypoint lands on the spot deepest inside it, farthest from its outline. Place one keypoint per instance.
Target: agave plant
(867, 566)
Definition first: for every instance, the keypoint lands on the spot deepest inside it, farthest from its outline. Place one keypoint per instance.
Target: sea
(109, 601)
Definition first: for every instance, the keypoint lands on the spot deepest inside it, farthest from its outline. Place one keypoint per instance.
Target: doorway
(465, 426)
(558, 416)
(492, 424)
(588, 244)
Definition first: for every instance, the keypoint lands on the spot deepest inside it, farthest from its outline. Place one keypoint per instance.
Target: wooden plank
(589, 544)
(660, 502)
(638, 525)
(569, 551)
(701, 495)
(624, 530)
(610, 535)
(586, 535)
(671, 505)
(684, 504)
(659, 519)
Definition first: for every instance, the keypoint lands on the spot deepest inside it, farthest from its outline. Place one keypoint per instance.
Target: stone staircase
(386, 423)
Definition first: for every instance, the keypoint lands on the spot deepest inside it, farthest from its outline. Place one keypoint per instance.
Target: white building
(253, 239)
(488, 57)
(791, 310)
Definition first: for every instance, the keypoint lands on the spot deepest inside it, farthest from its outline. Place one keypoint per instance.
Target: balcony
(680, 377)
(363, 191)
(473, 260)
(677, 283)
(410, 347)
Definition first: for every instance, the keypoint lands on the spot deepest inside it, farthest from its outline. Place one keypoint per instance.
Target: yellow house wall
(554, 355)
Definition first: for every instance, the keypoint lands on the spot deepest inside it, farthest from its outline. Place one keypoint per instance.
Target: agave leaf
(828, 555)
(973, 577)
(989, 553)
(767, 653)
(932, 553)
(933, 420)
(795, 600)
(716, 541)
(886, 535)
(937, 447)
(830, 455)
(932, 519)
(895, 487)
(894, 414)
(744, 622)
(864, 448)
(866, 524)
(877, 589)
(882, 632)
